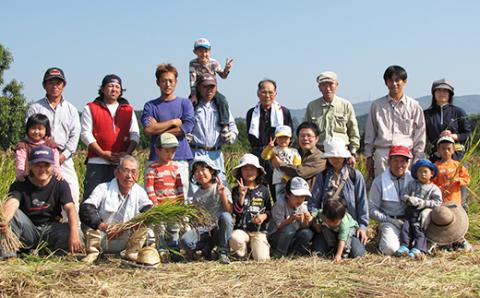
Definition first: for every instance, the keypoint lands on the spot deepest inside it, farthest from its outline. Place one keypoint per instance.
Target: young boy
(452, 176)
(421, 193)
(163, 182)
(338, 229)
(202, 66)
(289, 226)
(290, 156)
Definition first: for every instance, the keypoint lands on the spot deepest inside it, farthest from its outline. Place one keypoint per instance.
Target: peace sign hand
(220, 186)
(271, 143)
(228, 64)
(242, 191)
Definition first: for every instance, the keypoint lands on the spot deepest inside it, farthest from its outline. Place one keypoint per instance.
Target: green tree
(13, 105)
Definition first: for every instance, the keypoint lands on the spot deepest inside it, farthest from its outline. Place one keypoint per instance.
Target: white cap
(335, 147)
(299, 187)
(283, 131)
(202, 43)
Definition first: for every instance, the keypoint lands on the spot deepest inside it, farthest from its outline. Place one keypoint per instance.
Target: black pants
(412, 231)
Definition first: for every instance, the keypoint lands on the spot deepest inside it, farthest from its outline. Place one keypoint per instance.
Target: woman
(340, 181)
(443, 118)
(35, 207)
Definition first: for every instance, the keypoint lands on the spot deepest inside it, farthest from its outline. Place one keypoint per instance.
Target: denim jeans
(326, 243)
(205, 239)
(291, 239)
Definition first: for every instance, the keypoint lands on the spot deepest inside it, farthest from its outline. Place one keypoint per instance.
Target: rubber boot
(94, 243)
(134, 244)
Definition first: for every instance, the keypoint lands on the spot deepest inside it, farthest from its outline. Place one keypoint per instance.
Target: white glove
(413, 201)
(189, 137)
(425, 217)
(228, 137)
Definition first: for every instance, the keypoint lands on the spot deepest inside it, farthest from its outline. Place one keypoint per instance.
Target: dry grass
(449, 275)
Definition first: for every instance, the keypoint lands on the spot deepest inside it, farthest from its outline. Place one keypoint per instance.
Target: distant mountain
(470, 103)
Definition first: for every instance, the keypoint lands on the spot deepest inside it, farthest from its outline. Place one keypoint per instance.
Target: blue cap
(424, 163)
(41, 154)
(202, 43)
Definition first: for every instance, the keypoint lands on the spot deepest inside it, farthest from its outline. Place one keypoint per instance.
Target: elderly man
(110, 130)
(64, 123)
(393, 120)
(112, 203)
(35, 205)
(169, 113)
(334, 115)
(262, 121)
(207, 136)
(385, 204)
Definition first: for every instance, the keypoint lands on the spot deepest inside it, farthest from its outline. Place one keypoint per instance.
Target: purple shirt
(162, 111)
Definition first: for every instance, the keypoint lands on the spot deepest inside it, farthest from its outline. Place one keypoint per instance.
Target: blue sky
(288, 41)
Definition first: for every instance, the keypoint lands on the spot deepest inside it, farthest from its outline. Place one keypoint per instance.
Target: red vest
(110, 137)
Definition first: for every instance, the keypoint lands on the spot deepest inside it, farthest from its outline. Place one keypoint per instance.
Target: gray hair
(127, 158)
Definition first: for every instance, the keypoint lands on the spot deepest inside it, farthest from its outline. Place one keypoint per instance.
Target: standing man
(394, 119)
(110, 130)
(207, 137)
(64, 124)
(334, 115)
(262, 121)
(172, 114)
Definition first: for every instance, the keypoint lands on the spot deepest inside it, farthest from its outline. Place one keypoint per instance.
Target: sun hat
(207, 160)
(424, 163)
(248, 159)
(399, 150)
(166, 140)
(202, 43)
(41, 154)
(327, 76)
(445, 139)
(449, 224)
(442, 84)
(283, 131)
(299, 187)
(148, 258)
(207, 80)
(335, 147)
(54, 73)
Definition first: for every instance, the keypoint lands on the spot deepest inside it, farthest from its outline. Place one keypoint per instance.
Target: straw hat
(148, 257)
(248, 159)
(335, 147)
(449, 224)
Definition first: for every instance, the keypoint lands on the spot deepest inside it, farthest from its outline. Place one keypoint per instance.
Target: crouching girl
(216, 199)
(251, 206)
(289, 227)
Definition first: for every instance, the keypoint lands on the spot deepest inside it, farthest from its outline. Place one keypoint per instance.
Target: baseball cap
(166, 140)
(283, 131)
(442, 84)
(111, 78)
(207, 80)
(327, 76)
(299, 187)
(399, 150)
(445, 139)
(54, 73)
(202, 43)
(41, 154)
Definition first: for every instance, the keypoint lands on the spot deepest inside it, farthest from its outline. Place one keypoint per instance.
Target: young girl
(37, 133)
(251, 205)
(215, 198)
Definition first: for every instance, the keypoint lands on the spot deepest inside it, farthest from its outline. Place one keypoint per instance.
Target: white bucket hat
(248, 159)
(335, 147)
(299, 187)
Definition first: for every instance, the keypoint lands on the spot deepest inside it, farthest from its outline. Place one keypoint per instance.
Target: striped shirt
(163, 182)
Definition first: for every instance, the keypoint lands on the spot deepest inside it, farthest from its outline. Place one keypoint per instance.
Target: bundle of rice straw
(166, 212)
(9, 243)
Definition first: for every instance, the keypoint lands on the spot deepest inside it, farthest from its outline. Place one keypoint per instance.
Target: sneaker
(223, 258)
(464, 246)
(415, 253)
(403, 251)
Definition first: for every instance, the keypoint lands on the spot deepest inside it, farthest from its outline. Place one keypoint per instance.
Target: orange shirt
(448, 184)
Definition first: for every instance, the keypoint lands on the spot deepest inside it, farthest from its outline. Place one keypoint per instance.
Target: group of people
(286, 201)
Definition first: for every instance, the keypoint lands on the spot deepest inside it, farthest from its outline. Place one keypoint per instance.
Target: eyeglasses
(306, 136)
(128, 171)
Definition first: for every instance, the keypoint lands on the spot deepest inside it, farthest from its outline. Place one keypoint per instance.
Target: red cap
(399, 150)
